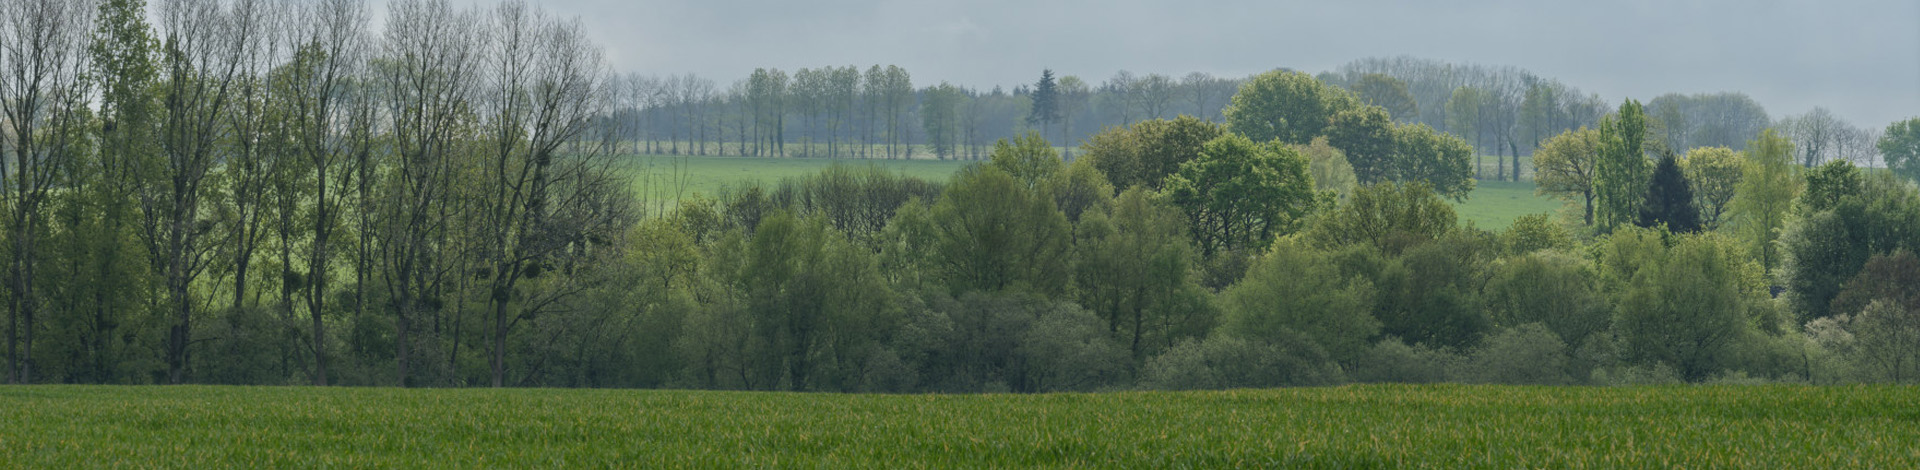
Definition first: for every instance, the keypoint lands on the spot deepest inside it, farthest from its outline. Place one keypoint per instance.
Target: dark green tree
(1147, 152)
(1239, 194)
(1292, 107)
(1366, 135)
(1669, 199)
(1046, 102)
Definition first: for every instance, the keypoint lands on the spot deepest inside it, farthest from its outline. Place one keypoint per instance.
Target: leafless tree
(43, 99)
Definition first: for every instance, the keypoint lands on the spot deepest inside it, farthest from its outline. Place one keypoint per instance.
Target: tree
(1565, 166)
(1292, 107)
(1761, 206)
(1688, 308)
(1438, 160)
(1900, 146)
(939, 116)
(1389, 216)
(1715, 174)
(1366, 135)
(1135, 270)
(1669, 199)
(1046, 102)
(43, 92)
(1389, 93)
(1296, 289)
(1028, 158)
(1330, 169)
(1556, 289)
(1240, 194)
(1621, 171)
(1830, 184)
(1464, 119)
(1145, 153)
(991, 233)
(1072, 98)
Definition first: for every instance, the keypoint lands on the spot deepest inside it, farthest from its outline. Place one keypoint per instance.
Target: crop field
(1494, 205)
(1392, 426)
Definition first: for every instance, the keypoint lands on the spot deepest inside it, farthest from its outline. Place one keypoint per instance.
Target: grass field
(1493, 206)
(1346, 427)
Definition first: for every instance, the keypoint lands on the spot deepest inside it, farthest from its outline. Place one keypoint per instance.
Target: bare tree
(204, 47)
(43, 98)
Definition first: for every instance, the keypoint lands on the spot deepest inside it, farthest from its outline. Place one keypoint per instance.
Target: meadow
(661, 179)
(1373, 426)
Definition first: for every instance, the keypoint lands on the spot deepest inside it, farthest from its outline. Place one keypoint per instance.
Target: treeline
(259, 192)
(879, 113)
(268, 192)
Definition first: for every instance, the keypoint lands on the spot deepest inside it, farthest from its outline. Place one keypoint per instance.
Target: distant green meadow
(1493, 205)
(1375, 426)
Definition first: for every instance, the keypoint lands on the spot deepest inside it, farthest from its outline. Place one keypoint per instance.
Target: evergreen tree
(1670, 199)
(1046, 102)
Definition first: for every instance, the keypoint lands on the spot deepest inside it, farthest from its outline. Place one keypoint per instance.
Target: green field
(1447, 426)
(1493, 206)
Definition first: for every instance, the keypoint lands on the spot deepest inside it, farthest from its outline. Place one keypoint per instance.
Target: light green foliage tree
(1240, 194)
(1291, 107)
(1442, 162)
(1900, 146)
(1764, 201)
(1535, 232)
(1330, 169)
(1463, 117)
(1390, 216)
(1028, 158)
(1565, 166)
(992, 233)
(1135, 269)
(1147, 152)
(1366, 135)
(1297, 289)
(1688, 306)
(1887, 340)
(1387, 92)
(1715, 173)
(1621, 170)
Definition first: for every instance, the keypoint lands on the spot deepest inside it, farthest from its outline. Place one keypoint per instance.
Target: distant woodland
(272, 192)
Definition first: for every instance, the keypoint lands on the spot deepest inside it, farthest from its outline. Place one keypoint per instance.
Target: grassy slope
(1359, 426)
(1493, 206)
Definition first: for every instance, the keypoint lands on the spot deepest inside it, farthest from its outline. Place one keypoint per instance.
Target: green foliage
(1764, 201)
(1528, 354)
(1366, 135)
(1828, 185)
(1900, 146)
(1441, 161)
(939, 115)
(1824, 250)
(1390, 216)
(1893, 278)
(1535, 232)
(1556, 289)
(1669, 201)
(1389, 93)
(1566, 166)
(1687, 306)
(1146, 153)
(992, 233)
(1068, 349)
(1291, 107)
(1430, 294)
(1715, 174)
(1222, 362)
(1028, 158)
(1621, 170)
(1079, 190)
(1330, 169)
(1297, 290)
(1135, 269)
(1240, 194)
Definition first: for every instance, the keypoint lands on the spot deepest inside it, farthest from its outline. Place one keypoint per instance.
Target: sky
(1858, 58)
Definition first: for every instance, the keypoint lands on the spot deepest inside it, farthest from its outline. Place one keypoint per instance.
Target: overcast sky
(1860, 59)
